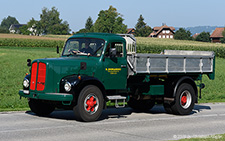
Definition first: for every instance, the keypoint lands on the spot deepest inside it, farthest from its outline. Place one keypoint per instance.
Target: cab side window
(117, 46)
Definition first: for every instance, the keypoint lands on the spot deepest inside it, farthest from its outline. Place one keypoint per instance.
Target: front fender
(78, 82)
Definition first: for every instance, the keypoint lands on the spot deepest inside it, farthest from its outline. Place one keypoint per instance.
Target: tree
(109, 21)
(203, 37)
(182, 34)
(6, 23)
(4, 30)
(24, 30)
(31, 28)
(89, 24)
(50, 23)
(141, 28)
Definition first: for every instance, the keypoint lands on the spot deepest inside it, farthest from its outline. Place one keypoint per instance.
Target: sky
(177, 13)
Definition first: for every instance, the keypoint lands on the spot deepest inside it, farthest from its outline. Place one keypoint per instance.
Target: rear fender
(188, 80)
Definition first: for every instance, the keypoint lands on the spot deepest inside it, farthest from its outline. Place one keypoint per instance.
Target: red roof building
(130, 31)
(195, 35)
(162, 32)
(217, 35)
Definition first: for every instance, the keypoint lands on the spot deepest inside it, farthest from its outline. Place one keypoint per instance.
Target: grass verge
(12, 72)
(220, 137)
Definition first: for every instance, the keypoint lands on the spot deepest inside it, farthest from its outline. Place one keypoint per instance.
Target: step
(116, 98)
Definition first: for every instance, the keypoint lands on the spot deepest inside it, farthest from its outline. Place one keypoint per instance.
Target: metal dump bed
(172, 61)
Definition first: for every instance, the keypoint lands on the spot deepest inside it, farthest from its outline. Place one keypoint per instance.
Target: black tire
(142, 105)
(40, 108)
(89, 105)
(184, 100)
(167, 108)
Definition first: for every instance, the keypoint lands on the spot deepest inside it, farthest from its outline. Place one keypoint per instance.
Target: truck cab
(91, 59)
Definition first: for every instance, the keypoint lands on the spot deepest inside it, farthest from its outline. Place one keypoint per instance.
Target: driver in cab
(86, 49)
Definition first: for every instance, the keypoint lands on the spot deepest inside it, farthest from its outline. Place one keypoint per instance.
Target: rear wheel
(90, 104)
(142, 105)
(184, 100)
(167, 107)
(40, 108)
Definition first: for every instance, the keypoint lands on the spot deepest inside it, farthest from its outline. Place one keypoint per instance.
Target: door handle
(123, 66)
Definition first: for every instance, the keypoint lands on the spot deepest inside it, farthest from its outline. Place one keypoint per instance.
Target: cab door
(115, 66)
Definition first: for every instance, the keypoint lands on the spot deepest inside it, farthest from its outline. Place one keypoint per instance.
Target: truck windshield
(84, 46)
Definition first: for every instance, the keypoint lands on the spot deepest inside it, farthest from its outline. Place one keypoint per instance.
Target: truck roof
(104, 36)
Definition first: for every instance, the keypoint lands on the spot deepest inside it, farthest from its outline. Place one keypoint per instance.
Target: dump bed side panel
(172, 62)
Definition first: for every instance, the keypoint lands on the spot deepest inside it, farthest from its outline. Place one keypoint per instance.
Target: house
(14, 28)
(163, 31)
(195, 35)
(217, 35)
(33, 30)
(130, 31)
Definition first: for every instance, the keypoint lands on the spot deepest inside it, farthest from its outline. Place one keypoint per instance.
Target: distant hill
(199, 29)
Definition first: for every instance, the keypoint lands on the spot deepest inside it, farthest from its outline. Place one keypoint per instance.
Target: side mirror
(28, 62)
(112, 52)
(57, 49)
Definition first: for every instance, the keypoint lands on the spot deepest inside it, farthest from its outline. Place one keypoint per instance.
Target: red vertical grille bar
(41, 76)
(33, 76)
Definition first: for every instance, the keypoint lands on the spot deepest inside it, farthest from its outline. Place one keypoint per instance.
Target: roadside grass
(214, 90)
(220, 137)
(12, 72)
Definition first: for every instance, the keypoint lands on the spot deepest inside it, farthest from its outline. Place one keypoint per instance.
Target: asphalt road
(114, 124)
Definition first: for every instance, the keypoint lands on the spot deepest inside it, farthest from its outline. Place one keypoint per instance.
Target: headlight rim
(27, 84)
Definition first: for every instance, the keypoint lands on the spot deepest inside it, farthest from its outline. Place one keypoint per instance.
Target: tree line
(108, 21)
(49, 23)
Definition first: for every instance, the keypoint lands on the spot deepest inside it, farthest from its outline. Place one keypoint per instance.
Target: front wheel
(40, 108)
(184, 100)
(89, 105)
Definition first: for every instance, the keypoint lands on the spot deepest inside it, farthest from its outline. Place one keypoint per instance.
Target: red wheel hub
(184, 100)
(91, 103)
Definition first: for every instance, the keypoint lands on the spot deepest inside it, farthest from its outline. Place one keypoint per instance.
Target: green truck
(98, 67)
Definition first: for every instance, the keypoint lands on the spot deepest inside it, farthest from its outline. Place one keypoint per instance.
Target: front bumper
(47, 96)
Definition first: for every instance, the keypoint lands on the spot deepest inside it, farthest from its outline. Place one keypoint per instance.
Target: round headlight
(26, 83)
(67, 86)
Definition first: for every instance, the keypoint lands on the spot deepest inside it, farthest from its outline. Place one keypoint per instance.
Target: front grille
(38, 76)
(33, 76)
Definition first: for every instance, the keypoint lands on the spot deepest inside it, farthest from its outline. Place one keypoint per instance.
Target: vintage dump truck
(97, 67)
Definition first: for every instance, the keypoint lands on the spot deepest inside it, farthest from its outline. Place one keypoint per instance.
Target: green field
(13, 69)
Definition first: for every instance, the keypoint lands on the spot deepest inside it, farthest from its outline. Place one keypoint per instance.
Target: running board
(116, 98)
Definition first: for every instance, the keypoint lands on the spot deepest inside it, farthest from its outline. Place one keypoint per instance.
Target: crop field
(152, 45)
(13, 68)
(49, 37)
